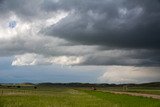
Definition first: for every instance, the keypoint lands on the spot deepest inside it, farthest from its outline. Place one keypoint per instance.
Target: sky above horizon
(96, 41)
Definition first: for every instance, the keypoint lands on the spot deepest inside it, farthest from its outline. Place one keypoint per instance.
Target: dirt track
(137, 94)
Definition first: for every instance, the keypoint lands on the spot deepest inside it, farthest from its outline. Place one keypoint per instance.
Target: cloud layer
(34, 59)
(129, 74)
(70, 32)
(121, 26)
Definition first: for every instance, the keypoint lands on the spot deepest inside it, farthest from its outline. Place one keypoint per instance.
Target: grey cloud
(123, 58)
(21, 45)
(123, 33)
(123, 24)
(119, 24)
(24, 9)
(93, 27)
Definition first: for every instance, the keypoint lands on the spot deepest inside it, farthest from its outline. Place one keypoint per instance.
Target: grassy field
(144, 90)
(69, 97)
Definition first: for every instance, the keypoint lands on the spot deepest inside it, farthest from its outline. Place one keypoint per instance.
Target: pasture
(28, 96)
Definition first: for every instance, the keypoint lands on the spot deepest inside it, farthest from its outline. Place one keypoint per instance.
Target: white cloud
(26, 59)
(129, 74)
(64, 60)
(35, 59)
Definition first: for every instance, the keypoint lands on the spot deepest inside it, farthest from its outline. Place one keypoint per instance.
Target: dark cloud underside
(119, 24)
(130, 29)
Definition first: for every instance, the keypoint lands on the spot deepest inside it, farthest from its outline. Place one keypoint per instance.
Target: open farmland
(28, 96)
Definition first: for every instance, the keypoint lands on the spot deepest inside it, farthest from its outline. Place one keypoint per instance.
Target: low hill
(25, 84)
(153, 84)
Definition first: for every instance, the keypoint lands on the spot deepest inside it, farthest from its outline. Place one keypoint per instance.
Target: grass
(68, 97)
(125, 100)
(144, 90)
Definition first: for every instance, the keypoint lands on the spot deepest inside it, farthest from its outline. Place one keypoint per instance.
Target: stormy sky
(110, 41)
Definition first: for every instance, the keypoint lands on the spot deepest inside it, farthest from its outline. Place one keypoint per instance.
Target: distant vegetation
(153, 84)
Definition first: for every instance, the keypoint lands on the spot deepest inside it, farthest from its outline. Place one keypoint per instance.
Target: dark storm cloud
(119, 24)
(138, 58)
(112, 24)
(122, 35)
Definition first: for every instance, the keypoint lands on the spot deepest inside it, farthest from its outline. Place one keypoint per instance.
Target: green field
(69, 97)
(144, 90)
